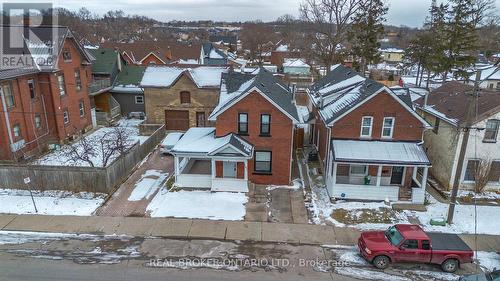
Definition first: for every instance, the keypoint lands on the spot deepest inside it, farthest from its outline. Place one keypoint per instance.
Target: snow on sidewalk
(198, 204)
(14, 201)
(147, 185)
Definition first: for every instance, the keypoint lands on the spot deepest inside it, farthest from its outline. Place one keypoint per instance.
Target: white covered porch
(374, 170)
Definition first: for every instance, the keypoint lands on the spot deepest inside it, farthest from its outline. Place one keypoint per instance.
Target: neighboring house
(127, 90)
(296, 67)
(142, 52)
(230, 41)
(210, 55)
(368, 138)
(446, 109)
(490, 78)
(47, 102)
(391, 55)
(105, 68)
(252, 140)
(181, 97)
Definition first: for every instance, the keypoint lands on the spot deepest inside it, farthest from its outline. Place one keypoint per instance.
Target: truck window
(393, 236)
(426, 245)
(410, 244)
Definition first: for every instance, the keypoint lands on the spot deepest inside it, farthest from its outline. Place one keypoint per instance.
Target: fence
(76, 179)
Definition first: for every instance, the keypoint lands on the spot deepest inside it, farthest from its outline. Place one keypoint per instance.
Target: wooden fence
(76, 179)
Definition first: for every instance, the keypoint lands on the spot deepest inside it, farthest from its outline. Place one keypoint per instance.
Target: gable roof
(129, 79)
(450, 101)
(226, 39)
(343, 89)
(235, 86)
(166, 76)
(105, 60)
(211, 52)
(139, 50)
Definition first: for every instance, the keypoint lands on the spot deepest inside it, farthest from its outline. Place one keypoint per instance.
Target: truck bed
(446, 241)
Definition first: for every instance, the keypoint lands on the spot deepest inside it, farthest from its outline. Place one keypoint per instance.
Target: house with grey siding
(127, 91)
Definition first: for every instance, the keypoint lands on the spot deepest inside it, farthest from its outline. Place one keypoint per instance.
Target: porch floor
(200, 167)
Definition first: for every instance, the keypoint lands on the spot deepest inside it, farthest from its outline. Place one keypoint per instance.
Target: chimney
(168, 53)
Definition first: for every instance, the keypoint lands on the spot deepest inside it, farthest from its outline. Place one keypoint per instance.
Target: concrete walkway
(204, 229)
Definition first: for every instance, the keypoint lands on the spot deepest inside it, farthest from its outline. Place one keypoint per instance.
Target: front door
(397, 174)
(229, 169)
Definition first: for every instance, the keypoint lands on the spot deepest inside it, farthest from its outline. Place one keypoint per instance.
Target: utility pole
(473, 97)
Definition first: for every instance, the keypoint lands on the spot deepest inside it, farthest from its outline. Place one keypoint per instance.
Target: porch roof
(379, 152)
(203, 142)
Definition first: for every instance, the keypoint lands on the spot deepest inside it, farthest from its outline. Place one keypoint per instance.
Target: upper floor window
(66, 117)
(17, 131)
(78, 80)
(31, 88)
(366, 126)
(265, 124)
(61, 84)
(242, 123)
(38, 121)
(185, 97)
(388, 127)
(8, 95)
(81, 108)
(139, 99)
(491, 132)
(66, 55)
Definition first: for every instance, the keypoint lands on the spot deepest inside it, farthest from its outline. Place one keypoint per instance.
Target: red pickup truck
(410, 243)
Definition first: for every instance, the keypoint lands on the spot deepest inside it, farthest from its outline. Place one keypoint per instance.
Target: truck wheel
(449, 265)
(381, 262)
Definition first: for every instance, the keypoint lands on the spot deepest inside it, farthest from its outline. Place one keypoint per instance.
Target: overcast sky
(401, 12)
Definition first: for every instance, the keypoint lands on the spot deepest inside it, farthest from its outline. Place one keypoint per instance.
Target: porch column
(379, 174)
(424, 177)
(334, 173)
(213, 168)
(246, 169)
(176, 164)
(414, 176)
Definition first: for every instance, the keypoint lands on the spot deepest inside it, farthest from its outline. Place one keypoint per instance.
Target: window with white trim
(81, 108)
(66, 117)
(388, 127)
(61, 84)
(366, 126)
(9, 96)
(358, 170)
(491, 132)
(17, 131)
(470, 170)
(139, 99)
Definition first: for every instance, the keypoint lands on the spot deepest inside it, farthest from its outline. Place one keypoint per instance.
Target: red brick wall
(406, 126)
(151, 59)
(280, 142)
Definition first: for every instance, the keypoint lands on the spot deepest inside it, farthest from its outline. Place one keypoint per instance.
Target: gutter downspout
(7, 120)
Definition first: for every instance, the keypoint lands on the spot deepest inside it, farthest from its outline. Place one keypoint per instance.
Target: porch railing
(98, 85)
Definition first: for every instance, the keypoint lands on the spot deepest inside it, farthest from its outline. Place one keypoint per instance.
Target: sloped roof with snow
(488, 73)
(295, 63)
(166, 76)
(235, 85)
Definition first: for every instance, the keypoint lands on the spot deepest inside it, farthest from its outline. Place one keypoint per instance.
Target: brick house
(47, 102)
(252, 140)
(368, 138)
(181, 97)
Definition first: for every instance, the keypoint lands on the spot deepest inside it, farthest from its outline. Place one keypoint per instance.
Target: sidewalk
(204, 229)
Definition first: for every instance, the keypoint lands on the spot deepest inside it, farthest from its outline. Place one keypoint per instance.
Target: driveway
(121, 203)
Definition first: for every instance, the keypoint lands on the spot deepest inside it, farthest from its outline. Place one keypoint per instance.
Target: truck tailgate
(446, 241)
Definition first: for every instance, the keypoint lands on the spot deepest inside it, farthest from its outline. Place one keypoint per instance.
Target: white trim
(222, 147)
(241, 96)
(392, 128)
(362, 126)
(151, 53)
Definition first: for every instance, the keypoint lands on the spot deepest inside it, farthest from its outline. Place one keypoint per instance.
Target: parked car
(492, 276)
(410, 243)
(169, 142)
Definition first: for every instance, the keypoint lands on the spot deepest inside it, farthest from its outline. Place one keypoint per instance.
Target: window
(494, 174)
(139, 99)
(9, 96)
(67, 55)
(242, 123)
(38, 121)
(491, 133)
(436, 125)
(388, 127)
(185, 97)
(470, 170)
(359, 170)
(200, 119)
(17, 130)
(263, 161)
(61, 84)
(265, 124)
(426, 245)
(66, 117)
(366, 126)
(31, 88)
(410, 244)
(81, 107)
(78, 80)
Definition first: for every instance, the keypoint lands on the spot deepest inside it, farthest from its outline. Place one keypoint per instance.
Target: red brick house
(44, 103)
(252, 139)
(368, 138)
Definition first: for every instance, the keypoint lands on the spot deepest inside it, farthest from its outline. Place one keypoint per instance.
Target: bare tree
(329, 22)
(84, 151)
(485, 12)
(256, 37)
(481, 175)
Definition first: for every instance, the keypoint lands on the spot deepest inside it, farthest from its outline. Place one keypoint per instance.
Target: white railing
(228, 184)
(364, 192)
(193, 181)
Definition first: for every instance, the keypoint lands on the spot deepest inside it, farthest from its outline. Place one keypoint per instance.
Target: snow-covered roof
(488, 73)
(295, 63)
(392, 50)
(171, 139)
(204, 142)
(282, 48)
(379, 152)
(166, 76)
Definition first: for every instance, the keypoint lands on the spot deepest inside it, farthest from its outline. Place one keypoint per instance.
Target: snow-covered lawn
(15, 201)
(488, 261)
(60, 156)
(198, 204)
(147, 185)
